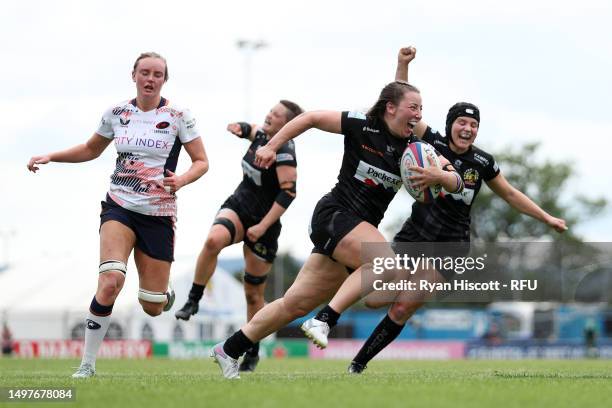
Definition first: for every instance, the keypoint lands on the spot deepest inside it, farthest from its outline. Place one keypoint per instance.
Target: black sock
(253, 351)
(329, 315)
(237, 344)
(196, 292)
(386, 331)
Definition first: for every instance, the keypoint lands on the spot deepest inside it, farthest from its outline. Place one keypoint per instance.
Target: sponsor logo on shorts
(261, 249)
(373, 176)
(283, 157)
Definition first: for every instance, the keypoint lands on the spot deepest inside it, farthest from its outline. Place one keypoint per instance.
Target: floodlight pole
(248, 47)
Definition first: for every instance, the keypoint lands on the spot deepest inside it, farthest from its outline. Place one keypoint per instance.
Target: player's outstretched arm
(89, 150)
(520, 202)
(329, 121)
(243, 130)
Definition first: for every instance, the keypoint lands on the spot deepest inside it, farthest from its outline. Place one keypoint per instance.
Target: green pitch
(309, 383)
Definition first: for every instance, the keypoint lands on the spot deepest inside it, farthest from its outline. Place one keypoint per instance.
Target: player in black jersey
(447, 219)
(252, 215)
(345, 217)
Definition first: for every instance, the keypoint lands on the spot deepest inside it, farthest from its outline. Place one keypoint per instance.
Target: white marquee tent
(48, 298)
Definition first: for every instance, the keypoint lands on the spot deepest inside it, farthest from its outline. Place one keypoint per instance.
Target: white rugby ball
(423, 155)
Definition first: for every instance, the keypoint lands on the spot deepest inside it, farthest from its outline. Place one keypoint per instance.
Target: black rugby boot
(356, 368)
(190, 308)
(248, 363)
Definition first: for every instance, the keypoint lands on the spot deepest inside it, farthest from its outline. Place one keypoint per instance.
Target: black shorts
(154, 234)
(422, 247)
(267, 245)
(329, 224)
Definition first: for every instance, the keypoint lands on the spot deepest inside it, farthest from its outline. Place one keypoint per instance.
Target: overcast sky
(539, 70)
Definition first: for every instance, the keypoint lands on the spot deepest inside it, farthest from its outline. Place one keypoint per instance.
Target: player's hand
(172, 182)
(425, 177)
(34, 161)
(265, 156)
(557, 223)
(406, 55)
(255, 232)
(235, 129)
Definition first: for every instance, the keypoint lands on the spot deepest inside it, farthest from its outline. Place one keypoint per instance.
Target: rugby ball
(419, 154)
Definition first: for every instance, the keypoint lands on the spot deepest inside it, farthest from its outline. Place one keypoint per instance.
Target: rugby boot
(356, 368)
(191, 307)
(317, 331)
(85, 370)
(248, 363)
(227, 364)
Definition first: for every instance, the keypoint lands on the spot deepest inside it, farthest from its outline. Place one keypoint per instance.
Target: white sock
(95, 330)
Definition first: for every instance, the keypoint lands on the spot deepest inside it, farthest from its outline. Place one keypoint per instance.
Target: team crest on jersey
(470, 177)
(124, 117)
(457, 164)
(373, 176)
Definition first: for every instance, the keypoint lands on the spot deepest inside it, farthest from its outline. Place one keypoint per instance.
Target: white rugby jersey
(147, 143)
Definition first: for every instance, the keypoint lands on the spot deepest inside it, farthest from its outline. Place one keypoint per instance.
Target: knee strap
(254, 280)
(227, 223)
(150, 296)
(112, 265)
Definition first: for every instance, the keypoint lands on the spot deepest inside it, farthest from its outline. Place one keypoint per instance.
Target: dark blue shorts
(154, 234)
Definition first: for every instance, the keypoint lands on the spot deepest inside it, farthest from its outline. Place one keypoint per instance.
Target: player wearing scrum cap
(139, 212)
(348, 215)
(447, 219)
(251, 215)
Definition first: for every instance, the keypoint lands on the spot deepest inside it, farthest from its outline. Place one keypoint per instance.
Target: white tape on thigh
(113, 265)
(153, 297)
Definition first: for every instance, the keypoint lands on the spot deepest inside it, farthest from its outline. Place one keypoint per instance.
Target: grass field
(314, 383)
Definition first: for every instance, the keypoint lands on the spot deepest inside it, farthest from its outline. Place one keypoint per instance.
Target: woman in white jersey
(140, 208)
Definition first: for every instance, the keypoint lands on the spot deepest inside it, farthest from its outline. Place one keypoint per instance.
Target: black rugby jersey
(370, 172)
(259, 186)
(448, 217)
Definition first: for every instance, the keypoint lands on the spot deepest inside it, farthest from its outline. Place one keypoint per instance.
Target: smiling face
(149, 75)
(463, 133)
(275, 119)
(404, 116)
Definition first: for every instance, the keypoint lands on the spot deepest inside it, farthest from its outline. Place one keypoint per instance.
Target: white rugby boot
(229, 366)
(85, 370)
(317, 331)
